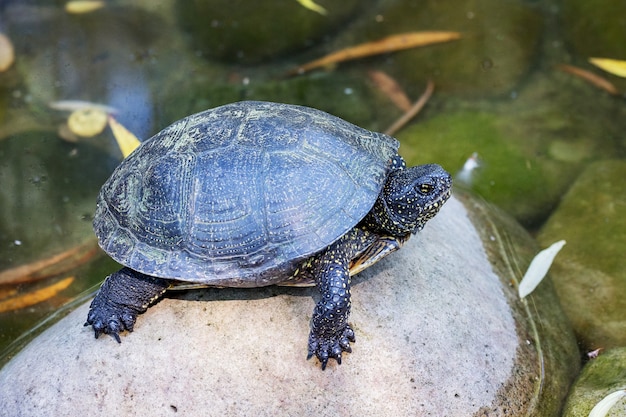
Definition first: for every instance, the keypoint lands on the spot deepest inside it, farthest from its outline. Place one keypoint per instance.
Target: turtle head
(409, 199)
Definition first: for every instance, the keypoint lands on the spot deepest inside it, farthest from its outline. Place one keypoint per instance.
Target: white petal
(538, 268)
(602, 408)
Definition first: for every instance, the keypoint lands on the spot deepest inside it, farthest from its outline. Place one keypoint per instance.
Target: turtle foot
(325, 346)
(122, 297)
(111, 320)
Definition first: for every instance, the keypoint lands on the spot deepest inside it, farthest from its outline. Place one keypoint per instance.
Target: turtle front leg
(123, 295)
(330, 332)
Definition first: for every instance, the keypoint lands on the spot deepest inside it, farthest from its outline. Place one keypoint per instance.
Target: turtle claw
(98, 331)
(116, 336)
(106, 321)
(326, 346)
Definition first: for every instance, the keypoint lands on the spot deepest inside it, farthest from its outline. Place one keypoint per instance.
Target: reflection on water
(498, 99)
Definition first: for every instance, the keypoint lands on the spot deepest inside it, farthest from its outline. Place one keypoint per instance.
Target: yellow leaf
(389, 44)
(126, 141)
(83, 6)
(7, 52)
(311, 5)
(87, 122)
(612, 66)
(29, 299)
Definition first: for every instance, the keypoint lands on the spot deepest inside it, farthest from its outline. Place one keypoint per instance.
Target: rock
(590, 272)
(531, 149)
(490, 58)
(438, 333)
(247, 32)
(504, 177)
(601, 376)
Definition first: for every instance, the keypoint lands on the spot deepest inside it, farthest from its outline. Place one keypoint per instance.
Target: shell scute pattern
(241, 192)
(295, 206)
(228, 210)
(265, 128)
(162, 209)
(207, 132)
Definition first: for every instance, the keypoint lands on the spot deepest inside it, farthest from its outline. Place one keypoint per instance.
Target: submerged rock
(600, 378)
(530, 149)
(490, 59)
(248, 32)
(590, 273)
(439, 331)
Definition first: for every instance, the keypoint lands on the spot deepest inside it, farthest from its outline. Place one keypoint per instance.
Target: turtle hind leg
(330, 332)
(123, 295)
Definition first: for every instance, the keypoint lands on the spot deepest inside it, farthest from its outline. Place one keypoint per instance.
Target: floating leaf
(390, 87)
(53, 265)
(590, 77)
(311, 5)
(604, 406)
(72, 105)
(87, 122)
(7, 53)
(126, 141)
(389, 44)
(35, 297)
(612, 66)
(83, 6)
(538, 268)
(412, 112)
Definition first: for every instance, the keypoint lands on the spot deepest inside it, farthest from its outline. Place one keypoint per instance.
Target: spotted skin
(330, 332)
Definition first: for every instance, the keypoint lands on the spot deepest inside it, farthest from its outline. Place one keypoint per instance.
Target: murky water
(503, 98)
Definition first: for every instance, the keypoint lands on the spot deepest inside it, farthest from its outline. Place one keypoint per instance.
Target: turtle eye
(426, 188)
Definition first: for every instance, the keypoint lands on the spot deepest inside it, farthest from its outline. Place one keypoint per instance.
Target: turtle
(256, 193)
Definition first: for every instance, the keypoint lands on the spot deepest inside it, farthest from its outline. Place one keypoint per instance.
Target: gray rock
(437, 334)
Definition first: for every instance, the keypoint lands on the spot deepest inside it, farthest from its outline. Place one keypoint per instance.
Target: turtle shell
(240, 194)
